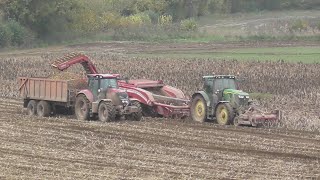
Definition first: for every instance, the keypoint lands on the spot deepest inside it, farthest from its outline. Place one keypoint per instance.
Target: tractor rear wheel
(224, 114)
(199, 109)
(106, 112)
(82, 108)
(43, 109)
(32, 108)
(136, 116)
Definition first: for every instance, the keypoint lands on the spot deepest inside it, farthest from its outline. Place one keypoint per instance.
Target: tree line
(28, 19)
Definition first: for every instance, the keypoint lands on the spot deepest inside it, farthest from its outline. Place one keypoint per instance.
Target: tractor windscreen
(109, 83)
(221, 84)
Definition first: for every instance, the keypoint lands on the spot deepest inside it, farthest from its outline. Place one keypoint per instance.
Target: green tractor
(221, 100)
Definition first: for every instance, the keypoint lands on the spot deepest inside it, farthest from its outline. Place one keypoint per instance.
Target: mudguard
(87, 93)
(204, 95)
(95, 105)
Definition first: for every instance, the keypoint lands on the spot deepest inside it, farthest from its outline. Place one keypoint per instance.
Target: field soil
(51, 148)
(64, 148)
(131, 48)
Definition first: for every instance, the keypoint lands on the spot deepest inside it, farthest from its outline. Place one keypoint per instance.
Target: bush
(19, 33)
(165, 20)
(5, 35)
(189, 25)
(299, 25)
(13, 33)
(136, 20)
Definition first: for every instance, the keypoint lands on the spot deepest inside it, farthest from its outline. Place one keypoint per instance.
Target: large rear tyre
(136, 116)
(106, 112)
(43, 109)
(199, 109)
(224, 114)
(82, 108)
(32, 108)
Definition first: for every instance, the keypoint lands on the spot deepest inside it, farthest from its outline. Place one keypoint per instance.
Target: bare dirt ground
(130, 48)
(64, 148)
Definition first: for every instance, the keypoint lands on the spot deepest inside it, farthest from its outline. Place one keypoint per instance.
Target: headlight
(247, 97)
(241, 97)
(125, 101)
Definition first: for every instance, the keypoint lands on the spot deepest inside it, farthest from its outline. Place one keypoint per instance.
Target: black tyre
(32, 108)
(224, 114)
(136, 116)
(82, 110)
(106, 112)
(199, 109)
(43, 109)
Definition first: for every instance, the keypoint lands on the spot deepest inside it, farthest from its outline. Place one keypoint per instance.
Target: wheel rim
(104, 112)
(83, 108)
(31, 110)
(199, 109)
(223, 116)
(40, 110)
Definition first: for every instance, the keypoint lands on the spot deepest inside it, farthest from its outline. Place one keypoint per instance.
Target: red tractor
(103, 98)
(154, 97)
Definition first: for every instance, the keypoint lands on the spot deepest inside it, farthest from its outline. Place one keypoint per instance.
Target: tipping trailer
(102, 98)
(155, 98)
(42, 96)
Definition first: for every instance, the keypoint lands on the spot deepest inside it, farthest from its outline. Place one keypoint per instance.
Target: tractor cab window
(221, 84)
(208, 85)
(108, 83)
(94, 86)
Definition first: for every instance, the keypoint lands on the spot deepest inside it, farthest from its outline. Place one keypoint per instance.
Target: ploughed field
(49, 148)
(63, 147)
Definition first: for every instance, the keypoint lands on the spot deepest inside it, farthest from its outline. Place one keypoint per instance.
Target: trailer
(43, 96)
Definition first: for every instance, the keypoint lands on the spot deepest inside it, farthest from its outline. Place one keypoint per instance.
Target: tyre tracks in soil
(158, 148)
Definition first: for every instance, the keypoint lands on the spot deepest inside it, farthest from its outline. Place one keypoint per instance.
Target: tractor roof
(219, 77)
(104, 75)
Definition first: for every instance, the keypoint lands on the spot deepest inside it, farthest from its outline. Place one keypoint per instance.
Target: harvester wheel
(32, 108)
(106, 112)
(199, 109)
(82, 108)
(236, 121)
(43, 109)
(136, 116)
(224, 114)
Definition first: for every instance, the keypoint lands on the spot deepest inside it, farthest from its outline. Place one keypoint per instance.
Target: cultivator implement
(255, 117)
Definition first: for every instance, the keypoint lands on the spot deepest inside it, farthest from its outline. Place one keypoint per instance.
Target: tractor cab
(105, 86)
(224, 88)
(216, 84)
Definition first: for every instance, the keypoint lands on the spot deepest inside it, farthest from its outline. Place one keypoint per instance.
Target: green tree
(41, 16)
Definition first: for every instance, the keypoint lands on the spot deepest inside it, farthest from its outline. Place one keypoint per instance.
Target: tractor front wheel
(106, 112)
(199, 109)
(136, 116)
(224, 114)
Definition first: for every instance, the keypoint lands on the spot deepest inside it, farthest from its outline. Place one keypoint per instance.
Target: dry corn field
(64, 148)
